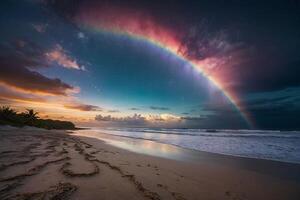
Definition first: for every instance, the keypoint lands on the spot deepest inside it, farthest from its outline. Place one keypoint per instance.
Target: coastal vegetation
(9, 116)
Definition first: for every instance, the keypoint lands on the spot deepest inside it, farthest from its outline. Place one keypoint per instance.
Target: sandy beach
(41, 164)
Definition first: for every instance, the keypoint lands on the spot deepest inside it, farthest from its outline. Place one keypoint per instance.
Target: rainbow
(159, 36)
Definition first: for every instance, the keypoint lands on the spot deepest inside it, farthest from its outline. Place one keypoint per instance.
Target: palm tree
(7, 113)
(30, 116)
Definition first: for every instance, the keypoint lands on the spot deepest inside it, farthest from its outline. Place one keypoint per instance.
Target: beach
(48, 164)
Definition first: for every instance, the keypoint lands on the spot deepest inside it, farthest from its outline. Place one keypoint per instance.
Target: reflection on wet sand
(154, 148)
(138, 145)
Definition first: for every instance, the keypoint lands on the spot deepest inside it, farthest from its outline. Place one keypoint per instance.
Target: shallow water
(270, 145)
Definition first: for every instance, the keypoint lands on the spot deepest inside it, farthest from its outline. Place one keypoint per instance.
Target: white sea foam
(273, 145)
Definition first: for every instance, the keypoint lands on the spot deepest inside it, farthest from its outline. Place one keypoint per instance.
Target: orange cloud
(19, 77)
(23, 87)
(49, 106)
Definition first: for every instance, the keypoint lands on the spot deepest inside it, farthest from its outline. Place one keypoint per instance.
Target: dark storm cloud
(158, 108)
(273, 105)
(261, 37)
(15, 71)
(281, 112)
(263, 101)
(269, 77)
(223, 121)
(18, 61)
(223, 29)
(200, 43)
(275, 109)
(283, 115)
(20, 82)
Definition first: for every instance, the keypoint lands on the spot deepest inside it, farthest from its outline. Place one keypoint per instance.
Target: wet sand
(40, 164)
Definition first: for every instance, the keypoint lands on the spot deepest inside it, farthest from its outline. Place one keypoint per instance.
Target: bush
(9, 116)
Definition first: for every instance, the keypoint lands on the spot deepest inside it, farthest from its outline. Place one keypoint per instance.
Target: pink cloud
(60, 56)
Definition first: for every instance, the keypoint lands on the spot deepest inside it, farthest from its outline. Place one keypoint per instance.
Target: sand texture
(40, 164)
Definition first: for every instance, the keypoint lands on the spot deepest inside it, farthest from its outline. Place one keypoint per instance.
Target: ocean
(271, 145)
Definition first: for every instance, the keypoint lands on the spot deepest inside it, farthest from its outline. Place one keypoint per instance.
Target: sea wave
(273, 145)
(214, 133)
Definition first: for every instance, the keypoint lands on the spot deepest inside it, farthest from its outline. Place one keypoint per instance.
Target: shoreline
(268, 146)
(196, 150)
(59, 164)
(266, 166)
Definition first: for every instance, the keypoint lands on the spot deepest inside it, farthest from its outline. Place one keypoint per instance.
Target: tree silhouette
(30, 116)
(9, 116)
(7, 113)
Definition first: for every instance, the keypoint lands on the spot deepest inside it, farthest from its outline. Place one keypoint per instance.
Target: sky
(168, 64)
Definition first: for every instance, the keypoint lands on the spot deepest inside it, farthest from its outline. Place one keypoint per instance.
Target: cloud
(112, 111)
(229, 49)
(82, 107)
(201, 42)
(59, 55)
(271, 112)
(10, 95)
(163, 117)
(218, 119)
(283, 115)
(189, 118)
(267, 101)
(135, 120)
(14, 73)
(158, 108)
(162, 120)
(134, 109)
(268, 77)
(19, 61)
(22, 85)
